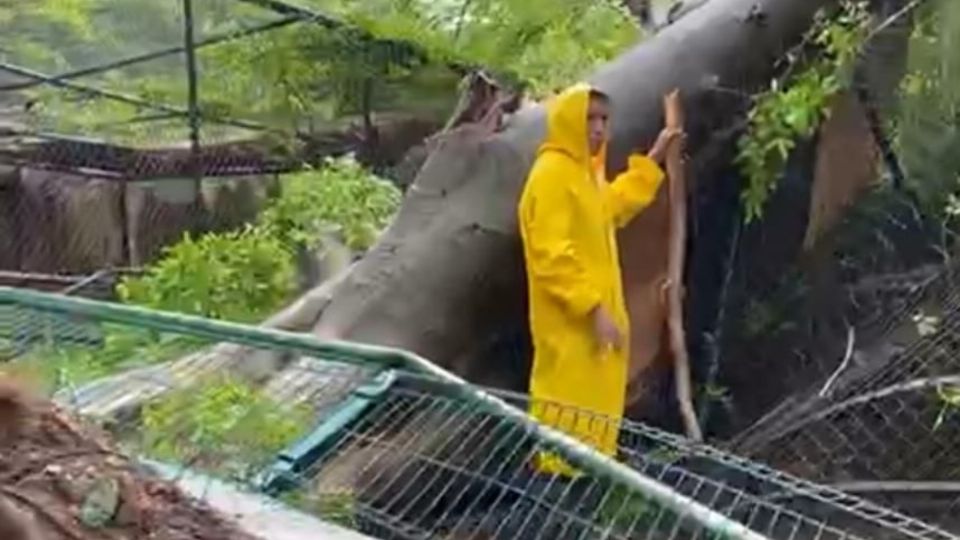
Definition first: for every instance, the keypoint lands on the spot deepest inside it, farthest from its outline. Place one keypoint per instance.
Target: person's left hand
(666, 137)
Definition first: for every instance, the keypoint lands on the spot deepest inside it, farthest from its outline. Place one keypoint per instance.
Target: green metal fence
(384, 442)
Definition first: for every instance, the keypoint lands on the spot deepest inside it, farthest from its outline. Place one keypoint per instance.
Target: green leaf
(790, 112)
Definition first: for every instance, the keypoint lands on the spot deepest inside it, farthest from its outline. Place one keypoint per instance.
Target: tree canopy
(296, 76)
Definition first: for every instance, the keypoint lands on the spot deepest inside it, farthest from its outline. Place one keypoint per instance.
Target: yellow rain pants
(568, 215)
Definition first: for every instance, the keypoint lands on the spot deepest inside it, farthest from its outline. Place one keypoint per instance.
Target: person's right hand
(608, 335)
(658, 152)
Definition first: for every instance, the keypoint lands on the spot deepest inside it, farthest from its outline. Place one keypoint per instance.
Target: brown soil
(51, 467)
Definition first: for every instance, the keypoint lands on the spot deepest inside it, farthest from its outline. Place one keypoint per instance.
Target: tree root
(28, 532)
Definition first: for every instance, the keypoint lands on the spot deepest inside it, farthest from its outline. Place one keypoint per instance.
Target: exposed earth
(61, 479)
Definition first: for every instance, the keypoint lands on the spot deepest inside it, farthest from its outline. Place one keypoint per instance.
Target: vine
(783, 115)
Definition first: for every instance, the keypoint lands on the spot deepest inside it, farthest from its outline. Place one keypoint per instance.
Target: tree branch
(678, 243)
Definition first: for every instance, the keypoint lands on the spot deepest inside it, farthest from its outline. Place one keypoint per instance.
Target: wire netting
(131, 122)
(851, 327)
(384, 451)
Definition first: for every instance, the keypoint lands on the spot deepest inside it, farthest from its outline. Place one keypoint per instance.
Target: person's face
(598, 117)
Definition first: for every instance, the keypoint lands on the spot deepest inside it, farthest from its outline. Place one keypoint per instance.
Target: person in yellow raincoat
(568, 215)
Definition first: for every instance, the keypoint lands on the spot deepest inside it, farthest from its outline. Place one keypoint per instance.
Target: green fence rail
(569, 448)
(386, 443)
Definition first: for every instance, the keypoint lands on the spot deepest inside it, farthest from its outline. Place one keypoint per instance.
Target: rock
(101, 503)
(74, 487)
(15, 410)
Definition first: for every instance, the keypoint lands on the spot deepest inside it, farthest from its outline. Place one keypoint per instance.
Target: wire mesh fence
(466, 474)
(886, 414)
(342, 434)
(132, 123)
(854, 333)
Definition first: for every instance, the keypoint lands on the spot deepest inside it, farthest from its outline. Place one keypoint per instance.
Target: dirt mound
(61, 480)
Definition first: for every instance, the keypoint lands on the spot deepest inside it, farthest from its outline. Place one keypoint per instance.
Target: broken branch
(678, 239)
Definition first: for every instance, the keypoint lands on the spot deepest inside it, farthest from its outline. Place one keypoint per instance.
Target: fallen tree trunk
(448, 273)
(446, 280)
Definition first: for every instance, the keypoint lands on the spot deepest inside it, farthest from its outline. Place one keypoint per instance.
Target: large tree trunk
(448, 273)
(446, 280)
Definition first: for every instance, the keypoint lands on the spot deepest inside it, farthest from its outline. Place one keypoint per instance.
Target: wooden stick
(678, 239)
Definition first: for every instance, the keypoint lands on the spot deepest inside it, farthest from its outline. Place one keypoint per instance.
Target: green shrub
(245, 275)
(342, 198)
(57, 364)
(239, 276)
(222, 426)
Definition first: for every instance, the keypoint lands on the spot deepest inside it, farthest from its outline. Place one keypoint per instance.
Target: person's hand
(608, 335)
(666, 137)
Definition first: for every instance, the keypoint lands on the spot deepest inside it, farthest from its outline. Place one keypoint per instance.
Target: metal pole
(146, 57)
(283, 7)
(121, 97)
(193, 111)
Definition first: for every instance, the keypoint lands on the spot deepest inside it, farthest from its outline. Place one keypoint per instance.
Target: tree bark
(448, 273)
(642, 10)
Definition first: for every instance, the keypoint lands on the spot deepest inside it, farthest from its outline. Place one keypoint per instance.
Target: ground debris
(60, 479)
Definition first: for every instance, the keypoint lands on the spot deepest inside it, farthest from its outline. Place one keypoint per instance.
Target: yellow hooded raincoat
(568, 216)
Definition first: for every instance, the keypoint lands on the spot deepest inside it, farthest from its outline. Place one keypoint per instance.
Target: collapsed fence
(399, 448)
(854, 338)
(883, 423)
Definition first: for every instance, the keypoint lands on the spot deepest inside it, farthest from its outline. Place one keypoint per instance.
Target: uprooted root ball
(62, 480)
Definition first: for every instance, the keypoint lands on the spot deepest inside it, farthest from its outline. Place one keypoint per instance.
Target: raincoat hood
(567, 123)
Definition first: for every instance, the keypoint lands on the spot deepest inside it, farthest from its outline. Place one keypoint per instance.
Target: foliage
(239, 276)
(58, 364)
(949, 396)
(929, 107)
(223, 426)
(338, 507)
(58, 351)
(302, 76)
(624, 509)
(546, 43)
(785, 114)
(245, 275)
(341, 198)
